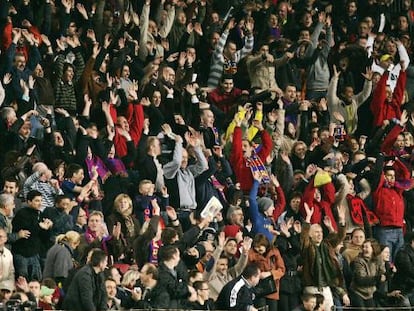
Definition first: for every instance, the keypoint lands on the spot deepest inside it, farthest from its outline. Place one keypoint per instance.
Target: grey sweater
(318, 72)
(185, 176)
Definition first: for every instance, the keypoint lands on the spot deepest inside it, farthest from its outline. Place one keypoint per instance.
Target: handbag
(266, 287)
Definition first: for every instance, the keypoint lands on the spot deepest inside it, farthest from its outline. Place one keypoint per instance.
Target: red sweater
(383, 110)
(7, 38)
(280, 203)
(389, 141)
(224, 101)
(321, 208)
(238, 162)
(135, 117)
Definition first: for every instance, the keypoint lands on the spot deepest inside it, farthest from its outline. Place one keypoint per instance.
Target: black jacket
(404, 261)
(175, 286)
(28, 219)
(86, 291)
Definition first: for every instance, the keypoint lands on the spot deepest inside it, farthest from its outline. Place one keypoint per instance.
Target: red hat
(231, 230)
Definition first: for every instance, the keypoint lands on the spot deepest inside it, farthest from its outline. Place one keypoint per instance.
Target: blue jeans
(29, 267)
(392, 237)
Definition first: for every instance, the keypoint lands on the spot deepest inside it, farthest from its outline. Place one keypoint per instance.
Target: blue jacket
(261, 223)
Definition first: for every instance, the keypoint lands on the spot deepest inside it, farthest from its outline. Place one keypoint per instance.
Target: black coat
(404, 261)
(154, 298)
(175, 286)
(28, 219)
(86, 291)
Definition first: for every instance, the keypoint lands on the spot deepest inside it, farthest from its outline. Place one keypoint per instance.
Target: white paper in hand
(213, 206)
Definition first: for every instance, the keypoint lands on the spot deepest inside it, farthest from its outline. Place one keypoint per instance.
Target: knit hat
(386, 57)
(46, 291)
(321, 178)
(264, 204)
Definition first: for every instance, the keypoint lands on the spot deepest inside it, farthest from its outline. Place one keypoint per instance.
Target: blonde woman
(129, 292)
(59, 258)
(130, 226)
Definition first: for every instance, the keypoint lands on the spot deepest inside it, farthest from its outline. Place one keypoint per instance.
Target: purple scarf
(103, 171)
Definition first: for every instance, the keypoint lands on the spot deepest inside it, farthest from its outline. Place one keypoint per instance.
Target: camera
(339, 133)
(18, 305)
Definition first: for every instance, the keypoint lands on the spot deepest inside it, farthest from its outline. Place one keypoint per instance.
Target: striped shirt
(48, 192)
(218, 61)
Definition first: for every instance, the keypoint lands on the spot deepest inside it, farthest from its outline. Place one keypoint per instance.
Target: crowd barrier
(373, 308)
(265, 308)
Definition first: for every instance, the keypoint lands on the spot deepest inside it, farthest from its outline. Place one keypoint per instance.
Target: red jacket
(135, 117)
(322, 208)
(389, 141)
(383, 110)
(388, 200)
(280, 202)
(238, 162)
(7, 38)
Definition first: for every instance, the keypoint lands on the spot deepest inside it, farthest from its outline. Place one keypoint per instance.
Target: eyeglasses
(81, 216)
(204, 288)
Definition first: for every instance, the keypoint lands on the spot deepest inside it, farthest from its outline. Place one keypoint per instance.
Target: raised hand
(231, 24)
(198, 29)
(309, 210)
(7, 78)
(82, 10)
(135, 18)
(45, 40)
(327, 222)
(90, 33)
(24, 86)
(107, 41)
(368, 74)
(127, 18)
(274, 180)
(258, 124)
(221, 239)
(67, 4)
(338, 116)
(336, 73)
(194, 139)
(31, 82)
(247, 244)
(297, 226)
(310, 170)
(60, 43)
(111, 131)
(155, 207)
(116, 231)
(285, 157)
(284, 229)
(341, 213)
(145, 102)
(182, 59)
(62, 111)
(172, 214)
(257, 176)
(249, 24)
(404, 118)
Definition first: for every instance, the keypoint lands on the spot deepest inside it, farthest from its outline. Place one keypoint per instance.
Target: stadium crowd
(206, 154)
